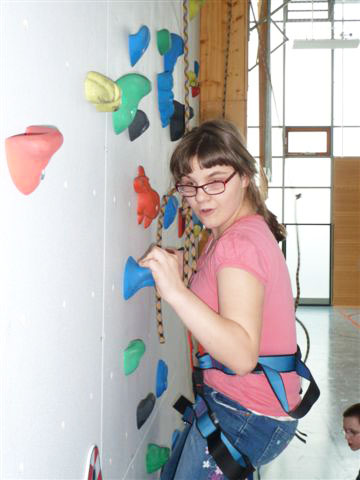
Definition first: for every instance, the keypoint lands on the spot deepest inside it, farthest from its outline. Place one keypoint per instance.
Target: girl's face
(218, 212)
(352, 432)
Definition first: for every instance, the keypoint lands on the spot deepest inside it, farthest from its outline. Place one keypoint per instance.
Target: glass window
(309, 142)
(274, 202)
(277, 173)
(307, 172)
(253, 141)
(346, 142)
(312, 207)
(308, 80)
(314, 273)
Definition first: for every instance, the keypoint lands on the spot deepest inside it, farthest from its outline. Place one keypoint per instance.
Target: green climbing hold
(132, 356)
(156, 457)
(133, 87)
(163, 40)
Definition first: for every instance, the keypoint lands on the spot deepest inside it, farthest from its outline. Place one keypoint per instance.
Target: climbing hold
(195, 91)
(138, 43)
(135, 278)
(139, 125)
(163, 40)
(133, 87)
(192, 78)
(181, 223)
(93, 470)
(165, 84)
(171, 209)
(102, 92)
(177, 121)
(28, 154)
(156, 457)
(194, 7)
(196, 68)
(148, 205)
(132, 355)
(144, 409)
(161, 378)
(171, 56)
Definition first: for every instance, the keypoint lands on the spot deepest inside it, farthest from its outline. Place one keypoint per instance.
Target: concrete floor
(334, 361)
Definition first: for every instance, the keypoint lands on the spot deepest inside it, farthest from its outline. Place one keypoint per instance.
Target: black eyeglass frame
(224, 182)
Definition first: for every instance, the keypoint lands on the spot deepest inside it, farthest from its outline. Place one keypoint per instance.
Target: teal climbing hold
(133, 87)
(132, 355)
(156, 457)
(163, 40)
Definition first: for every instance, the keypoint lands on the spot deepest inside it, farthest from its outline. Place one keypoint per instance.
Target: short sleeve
(240, 251)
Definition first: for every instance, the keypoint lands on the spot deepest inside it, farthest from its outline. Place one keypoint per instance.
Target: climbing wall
(64, 324)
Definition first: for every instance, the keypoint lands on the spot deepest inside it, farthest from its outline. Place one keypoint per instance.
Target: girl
(239, 304)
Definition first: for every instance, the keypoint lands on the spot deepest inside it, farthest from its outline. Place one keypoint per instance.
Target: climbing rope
(159, 230)
(297, 279)
(186, 64)
(227, 52)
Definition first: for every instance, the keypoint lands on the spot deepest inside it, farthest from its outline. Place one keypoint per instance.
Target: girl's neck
(246, 211)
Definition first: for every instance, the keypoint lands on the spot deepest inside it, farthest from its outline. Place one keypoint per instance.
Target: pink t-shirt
(249, 244)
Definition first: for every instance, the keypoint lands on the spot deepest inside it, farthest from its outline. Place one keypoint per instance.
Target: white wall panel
(63, 321)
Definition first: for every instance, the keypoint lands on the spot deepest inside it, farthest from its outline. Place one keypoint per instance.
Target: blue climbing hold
(171, 210)
(135, 278)
(161, 378)
(138, 43)
(196, 68)
(165, 84)
(171, 56)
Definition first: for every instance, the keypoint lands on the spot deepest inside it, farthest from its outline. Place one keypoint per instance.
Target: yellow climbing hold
(102, 92)
(194, 7)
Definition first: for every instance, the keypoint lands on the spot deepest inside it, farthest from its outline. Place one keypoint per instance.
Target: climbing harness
(233, 463)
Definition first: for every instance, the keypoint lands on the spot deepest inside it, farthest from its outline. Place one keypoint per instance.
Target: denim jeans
(259, 437)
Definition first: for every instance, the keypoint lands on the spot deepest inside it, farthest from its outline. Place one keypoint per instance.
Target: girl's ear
(245, 180)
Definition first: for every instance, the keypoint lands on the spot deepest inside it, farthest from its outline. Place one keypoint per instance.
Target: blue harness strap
(234, 464)
(271, 366)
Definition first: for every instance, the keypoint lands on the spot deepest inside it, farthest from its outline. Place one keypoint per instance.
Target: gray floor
(334, 360)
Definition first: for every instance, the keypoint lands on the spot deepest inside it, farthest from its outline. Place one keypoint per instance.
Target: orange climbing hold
(148, 206)
(28, 154)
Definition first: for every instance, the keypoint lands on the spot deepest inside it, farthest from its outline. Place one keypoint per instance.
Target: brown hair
(218, 142)
(353, 411)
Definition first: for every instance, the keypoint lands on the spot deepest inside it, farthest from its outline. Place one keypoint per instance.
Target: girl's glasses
(211, 188)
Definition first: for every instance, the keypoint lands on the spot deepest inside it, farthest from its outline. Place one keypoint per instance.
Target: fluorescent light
(354, 43)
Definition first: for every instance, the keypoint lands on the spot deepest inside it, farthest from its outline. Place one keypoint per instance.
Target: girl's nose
(200, 194)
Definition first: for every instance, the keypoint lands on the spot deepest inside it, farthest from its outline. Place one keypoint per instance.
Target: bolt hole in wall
(313, 92)
(65, 400)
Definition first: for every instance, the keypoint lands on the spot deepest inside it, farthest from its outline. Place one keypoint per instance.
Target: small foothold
(144, 409)
(163, 40)
(177, 121)
(161, 378)
(156, 457)
(139, 125)
(171, 210)
(132, 355)
(138, 43)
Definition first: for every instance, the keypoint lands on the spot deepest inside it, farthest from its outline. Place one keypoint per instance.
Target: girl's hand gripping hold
(166, 268)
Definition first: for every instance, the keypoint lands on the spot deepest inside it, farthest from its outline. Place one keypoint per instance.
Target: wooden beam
(214, 44)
